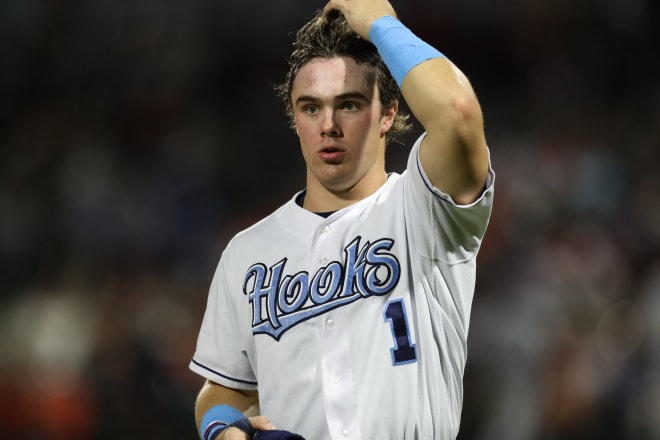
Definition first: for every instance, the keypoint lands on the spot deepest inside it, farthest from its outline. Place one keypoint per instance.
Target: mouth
(331, 154)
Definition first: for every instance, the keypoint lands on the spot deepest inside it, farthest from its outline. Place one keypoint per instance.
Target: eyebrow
(343, 97)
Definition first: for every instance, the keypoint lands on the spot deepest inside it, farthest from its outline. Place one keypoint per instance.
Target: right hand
(360, 14)
(260, 423)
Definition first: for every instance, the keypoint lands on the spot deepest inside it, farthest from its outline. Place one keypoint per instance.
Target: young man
(344, 314)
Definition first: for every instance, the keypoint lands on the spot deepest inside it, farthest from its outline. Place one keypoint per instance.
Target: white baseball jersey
(352, 326)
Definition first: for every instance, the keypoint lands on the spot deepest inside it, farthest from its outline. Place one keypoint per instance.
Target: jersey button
(337, 378)
(323, 260)
(344, 433)
(330, 323)
(325, 228)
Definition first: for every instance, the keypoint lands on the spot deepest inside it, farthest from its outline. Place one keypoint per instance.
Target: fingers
(261, 423)
(362, 7)
(328, 7)
(332, 5)
(360, 14)
(233, 433)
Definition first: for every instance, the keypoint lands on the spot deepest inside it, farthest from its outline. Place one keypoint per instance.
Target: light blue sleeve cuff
(400, 48)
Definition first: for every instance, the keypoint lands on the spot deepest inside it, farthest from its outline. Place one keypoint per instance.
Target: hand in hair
(360, 14)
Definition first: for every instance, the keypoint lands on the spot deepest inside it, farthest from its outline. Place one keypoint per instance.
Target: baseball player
(344, 314)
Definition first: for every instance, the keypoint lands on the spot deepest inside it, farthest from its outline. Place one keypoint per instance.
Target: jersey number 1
(403, 351)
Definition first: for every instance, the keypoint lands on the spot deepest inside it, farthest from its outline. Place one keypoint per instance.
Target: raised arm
(454, 153)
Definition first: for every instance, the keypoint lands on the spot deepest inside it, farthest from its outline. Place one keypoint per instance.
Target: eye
(349, 106)
(311, 109)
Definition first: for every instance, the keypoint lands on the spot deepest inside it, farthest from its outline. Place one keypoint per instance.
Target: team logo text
(280, 301)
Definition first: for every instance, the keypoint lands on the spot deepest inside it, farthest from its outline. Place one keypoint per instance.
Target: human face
(341, 126)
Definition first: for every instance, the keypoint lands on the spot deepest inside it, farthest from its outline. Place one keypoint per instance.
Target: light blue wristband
(216, 419)
(400, 48)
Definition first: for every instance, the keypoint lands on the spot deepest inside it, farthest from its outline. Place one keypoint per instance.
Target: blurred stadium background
(137, 136)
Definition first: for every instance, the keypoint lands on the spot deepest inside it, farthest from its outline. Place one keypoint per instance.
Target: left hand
(360, 14)
(260, 423)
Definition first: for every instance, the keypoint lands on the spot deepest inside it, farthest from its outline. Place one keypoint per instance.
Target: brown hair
(328, 37)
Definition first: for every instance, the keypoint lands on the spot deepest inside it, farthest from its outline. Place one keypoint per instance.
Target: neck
(320, 198)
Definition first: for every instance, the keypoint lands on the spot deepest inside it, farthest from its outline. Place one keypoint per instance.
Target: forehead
(331, 77)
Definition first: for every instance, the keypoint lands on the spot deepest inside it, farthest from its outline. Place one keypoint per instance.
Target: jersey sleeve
(441, 229)
(221, 353)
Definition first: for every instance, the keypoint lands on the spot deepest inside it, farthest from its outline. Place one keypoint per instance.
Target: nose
(330, 127)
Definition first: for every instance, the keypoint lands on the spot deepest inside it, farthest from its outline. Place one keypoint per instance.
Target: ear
(387, 119)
